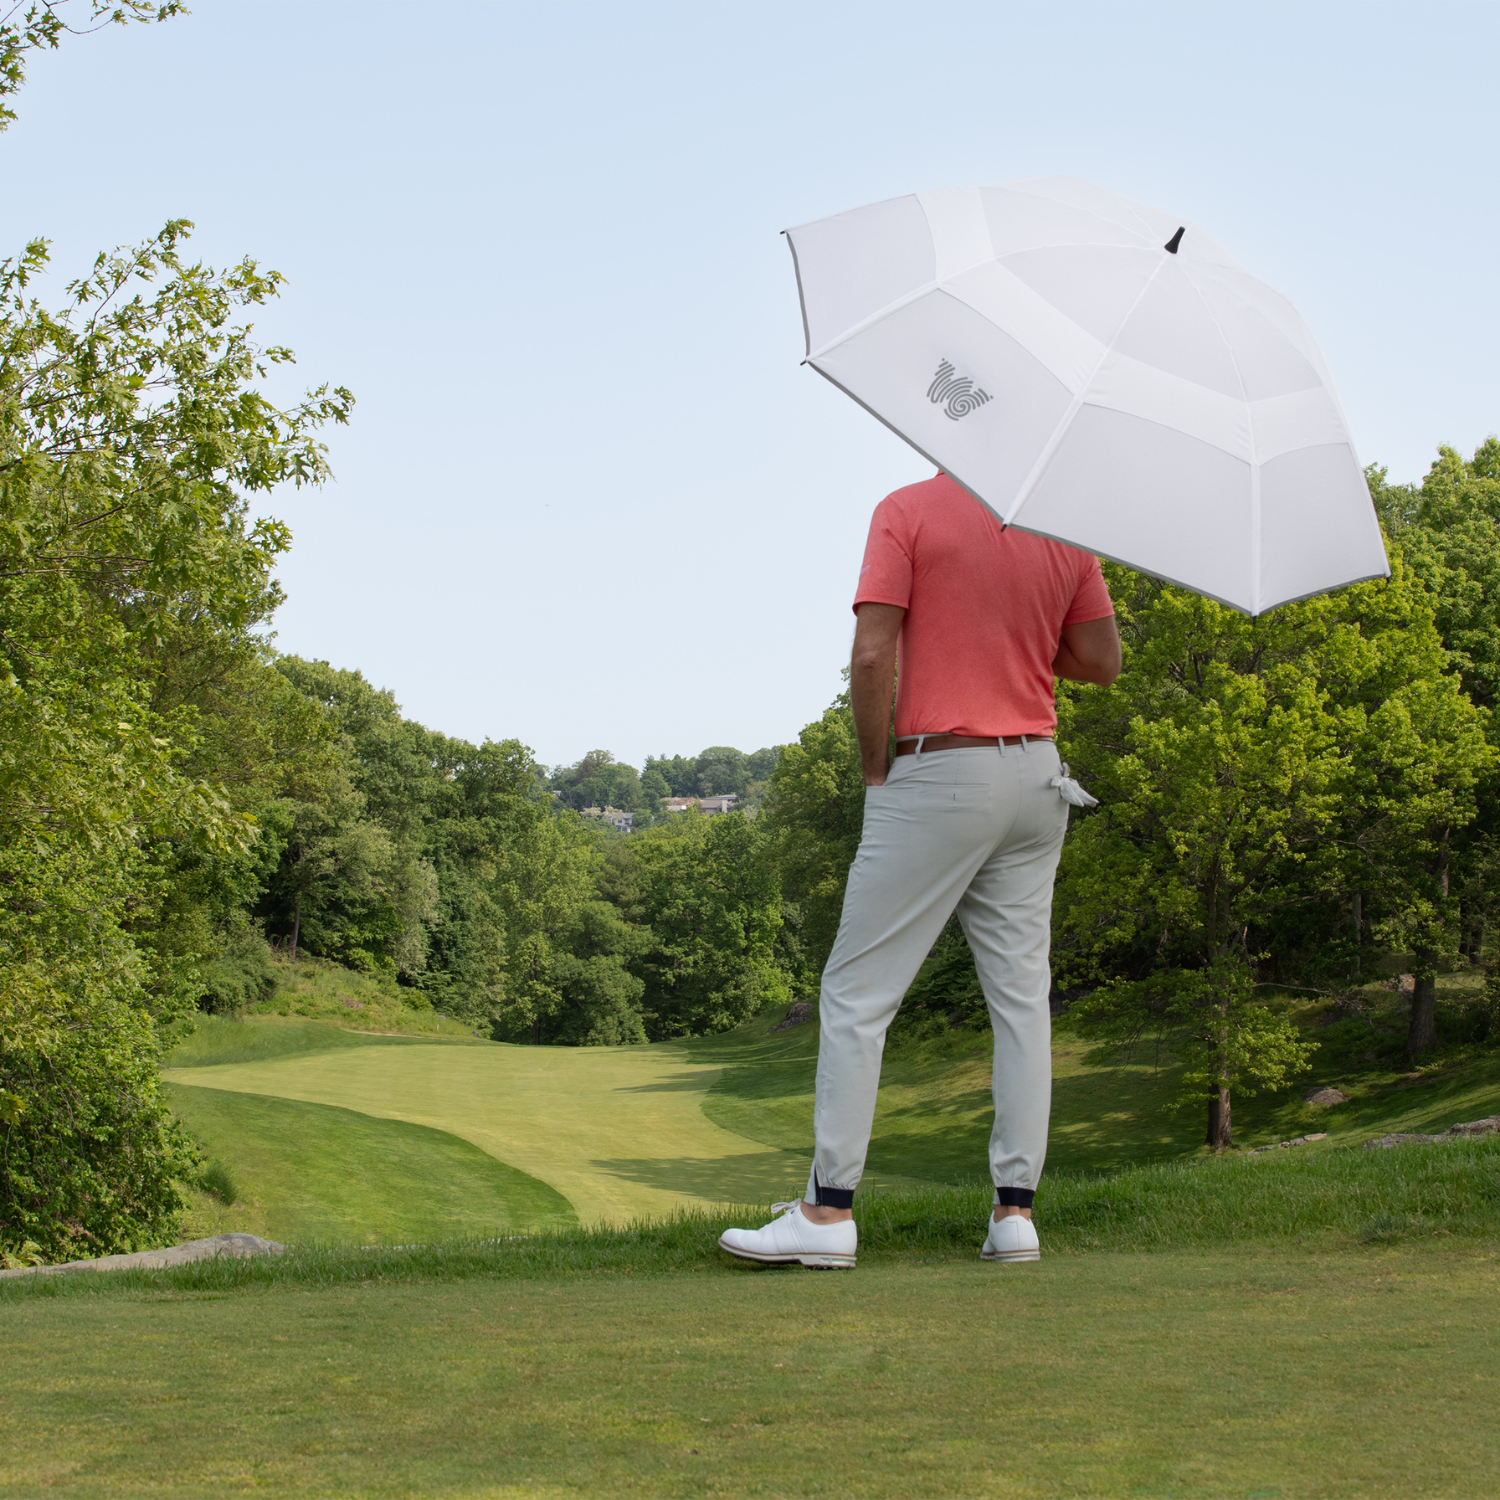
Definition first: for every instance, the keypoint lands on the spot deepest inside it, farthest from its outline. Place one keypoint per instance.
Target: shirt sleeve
(885, 576)
(1091, 599)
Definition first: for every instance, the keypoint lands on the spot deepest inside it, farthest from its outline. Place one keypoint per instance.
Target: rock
(1488, 1126)
(1301, 1140)
(1407, 984)
(800, 1012)
(1325, 1096)
(155, 1260)
(1387, 1141)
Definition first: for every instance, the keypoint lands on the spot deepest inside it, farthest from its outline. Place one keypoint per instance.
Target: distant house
(680, 804)
(717, 804)
(624, 821)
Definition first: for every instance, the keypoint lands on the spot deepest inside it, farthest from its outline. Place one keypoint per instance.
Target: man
(969, 816)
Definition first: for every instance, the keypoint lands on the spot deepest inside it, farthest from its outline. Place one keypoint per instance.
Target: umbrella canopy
(1094, 371)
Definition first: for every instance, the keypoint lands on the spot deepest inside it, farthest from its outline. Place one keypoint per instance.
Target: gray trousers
(970, 829)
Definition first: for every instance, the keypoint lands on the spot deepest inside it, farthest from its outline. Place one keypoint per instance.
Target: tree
(813, 821)
(599, 780)
(354, 858)
(711, 900)
(1447, 531)
(600, 997)
(131, 432)
(28, 28)
(1251, 772)
(679, 774)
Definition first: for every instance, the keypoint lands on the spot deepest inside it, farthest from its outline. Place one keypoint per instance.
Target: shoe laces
(781, 1208)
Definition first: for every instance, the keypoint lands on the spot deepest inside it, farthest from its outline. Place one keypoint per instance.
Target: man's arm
(872, 681)
(1088, 652)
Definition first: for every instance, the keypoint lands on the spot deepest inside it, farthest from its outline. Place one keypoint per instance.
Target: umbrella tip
(1171, 246)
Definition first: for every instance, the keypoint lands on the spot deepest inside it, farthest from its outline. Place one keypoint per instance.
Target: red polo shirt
(985, 608)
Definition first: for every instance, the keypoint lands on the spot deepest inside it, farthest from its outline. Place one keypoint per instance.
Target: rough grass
(309, 1172)
(932, 1120)
(313, 988)
(1226, 1372)
(221, 1039)
(933, 1116)
(1330, 1199)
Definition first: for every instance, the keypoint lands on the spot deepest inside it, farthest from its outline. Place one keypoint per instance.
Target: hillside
(336, 1134)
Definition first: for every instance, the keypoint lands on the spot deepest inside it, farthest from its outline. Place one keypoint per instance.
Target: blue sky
(588, 497)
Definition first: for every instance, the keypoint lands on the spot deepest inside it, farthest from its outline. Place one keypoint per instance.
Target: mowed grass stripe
(618, 1131)
(1217, 1373)
(309, 1172)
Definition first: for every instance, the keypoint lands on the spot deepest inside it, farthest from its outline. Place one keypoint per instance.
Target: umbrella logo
(956, 394)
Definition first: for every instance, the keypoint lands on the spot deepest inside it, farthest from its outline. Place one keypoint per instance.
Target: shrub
(216, 1178)
(242, 976)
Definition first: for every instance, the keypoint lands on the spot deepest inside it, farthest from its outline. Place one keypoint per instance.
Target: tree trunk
(536, 1032)
(1359, 924)
(296, 926)
(1421, 1034)
(1220, 1131)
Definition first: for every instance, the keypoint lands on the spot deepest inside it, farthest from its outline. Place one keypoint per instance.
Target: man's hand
(1089, 652)
(872, 681)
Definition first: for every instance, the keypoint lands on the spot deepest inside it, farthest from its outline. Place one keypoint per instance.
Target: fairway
(617, 1131)
(1270, 1373)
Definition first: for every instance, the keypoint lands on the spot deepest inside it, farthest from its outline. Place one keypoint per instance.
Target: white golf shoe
(1011, 1238)
(793, 1238)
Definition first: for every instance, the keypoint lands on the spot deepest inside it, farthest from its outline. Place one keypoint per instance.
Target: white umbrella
(1094, 371)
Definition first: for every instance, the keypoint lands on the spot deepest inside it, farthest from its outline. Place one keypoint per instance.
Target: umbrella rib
(1061, 430)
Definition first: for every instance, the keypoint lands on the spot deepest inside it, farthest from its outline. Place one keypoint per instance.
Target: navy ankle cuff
(828, 1197)
(1014, 1197)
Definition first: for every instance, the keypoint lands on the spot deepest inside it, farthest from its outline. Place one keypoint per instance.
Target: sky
(589, 498)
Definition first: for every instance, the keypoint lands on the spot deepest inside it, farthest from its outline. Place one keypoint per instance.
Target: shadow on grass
(753, 1178)
(678, 1083)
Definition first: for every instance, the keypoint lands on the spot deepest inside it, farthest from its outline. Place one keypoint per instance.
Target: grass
(1315, 1323)
(617, 1131)
(1227, 1372)
(932, 1121)
(1282, 1201)
(316, 989)
(304, 1172)
(220, 1039)
(637, 1132)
